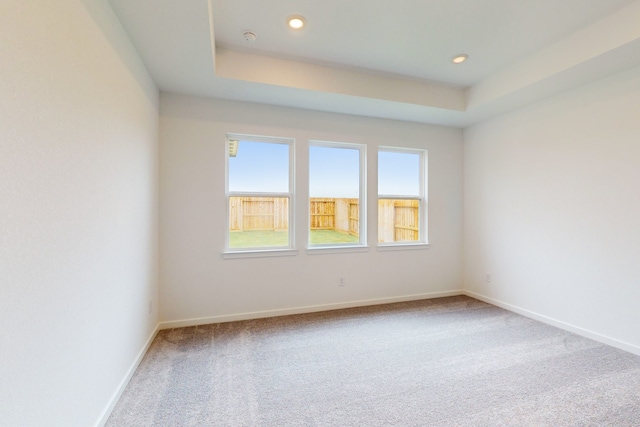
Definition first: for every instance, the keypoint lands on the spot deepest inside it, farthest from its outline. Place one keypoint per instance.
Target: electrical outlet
(487, 278)
(341, 283)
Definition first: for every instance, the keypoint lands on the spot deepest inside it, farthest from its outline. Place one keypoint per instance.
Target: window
(401, 196)
(336, 194)
(259, 193)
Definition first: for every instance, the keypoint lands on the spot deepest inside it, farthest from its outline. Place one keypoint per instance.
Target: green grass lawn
(327, 237)
(253, 239)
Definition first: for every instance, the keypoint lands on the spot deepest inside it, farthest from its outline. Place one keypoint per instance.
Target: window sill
(320, 250)
(260, 253)
(403, 247)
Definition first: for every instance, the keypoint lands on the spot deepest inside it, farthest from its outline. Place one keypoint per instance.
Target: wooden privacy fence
(398, 220)
(335, 214)
(322, 214)
(258, 213)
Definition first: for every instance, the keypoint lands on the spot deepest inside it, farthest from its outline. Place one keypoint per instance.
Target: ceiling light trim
(296, 22)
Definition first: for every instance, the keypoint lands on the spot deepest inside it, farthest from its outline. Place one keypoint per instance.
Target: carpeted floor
(443, 362)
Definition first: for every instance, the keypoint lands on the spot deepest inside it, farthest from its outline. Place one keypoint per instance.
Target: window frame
(361, 245)
(259, 251)
(423, 231)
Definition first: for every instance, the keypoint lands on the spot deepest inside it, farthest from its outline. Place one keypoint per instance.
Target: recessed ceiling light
(296, 22)
(459, 59)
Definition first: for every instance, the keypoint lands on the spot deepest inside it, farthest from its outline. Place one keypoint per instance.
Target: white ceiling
(381, 58)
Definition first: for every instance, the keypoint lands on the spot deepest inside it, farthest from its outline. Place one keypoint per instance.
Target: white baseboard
(301, 310)
(557, 323)
(104, 416)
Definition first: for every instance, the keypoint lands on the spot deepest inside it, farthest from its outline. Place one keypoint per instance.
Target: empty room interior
(173, 168)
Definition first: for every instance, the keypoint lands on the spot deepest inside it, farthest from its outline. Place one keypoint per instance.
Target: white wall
(78, 210)
(552, 209)
(197, 283)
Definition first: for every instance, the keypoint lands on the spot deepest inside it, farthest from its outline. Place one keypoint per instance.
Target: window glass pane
(259, 167)
(334, 189)
(259, 197)
(256, 222)
(398, 173)
(398, 220)
(400, 196)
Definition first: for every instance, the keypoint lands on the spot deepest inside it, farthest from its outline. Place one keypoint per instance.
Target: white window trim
(360, 246)
(322, 250)
(250, 252)
(256, 253)
(423, 236)
(402, 246)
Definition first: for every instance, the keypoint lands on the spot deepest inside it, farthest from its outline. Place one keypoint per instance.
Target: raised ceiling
(381, 58)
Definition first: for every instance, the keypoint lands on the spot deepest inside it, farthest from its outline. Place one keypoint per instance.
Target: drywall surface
(552, 208)
(196, 282)
(78, 210)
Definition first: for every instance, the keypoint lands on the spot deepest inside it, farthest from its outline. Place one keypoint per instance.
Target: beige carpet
(444, 362)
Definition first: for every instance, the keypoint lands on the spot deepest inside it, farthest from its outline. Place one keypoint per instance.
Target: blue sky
(260, 167)
(398, 173)
(333, 172)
